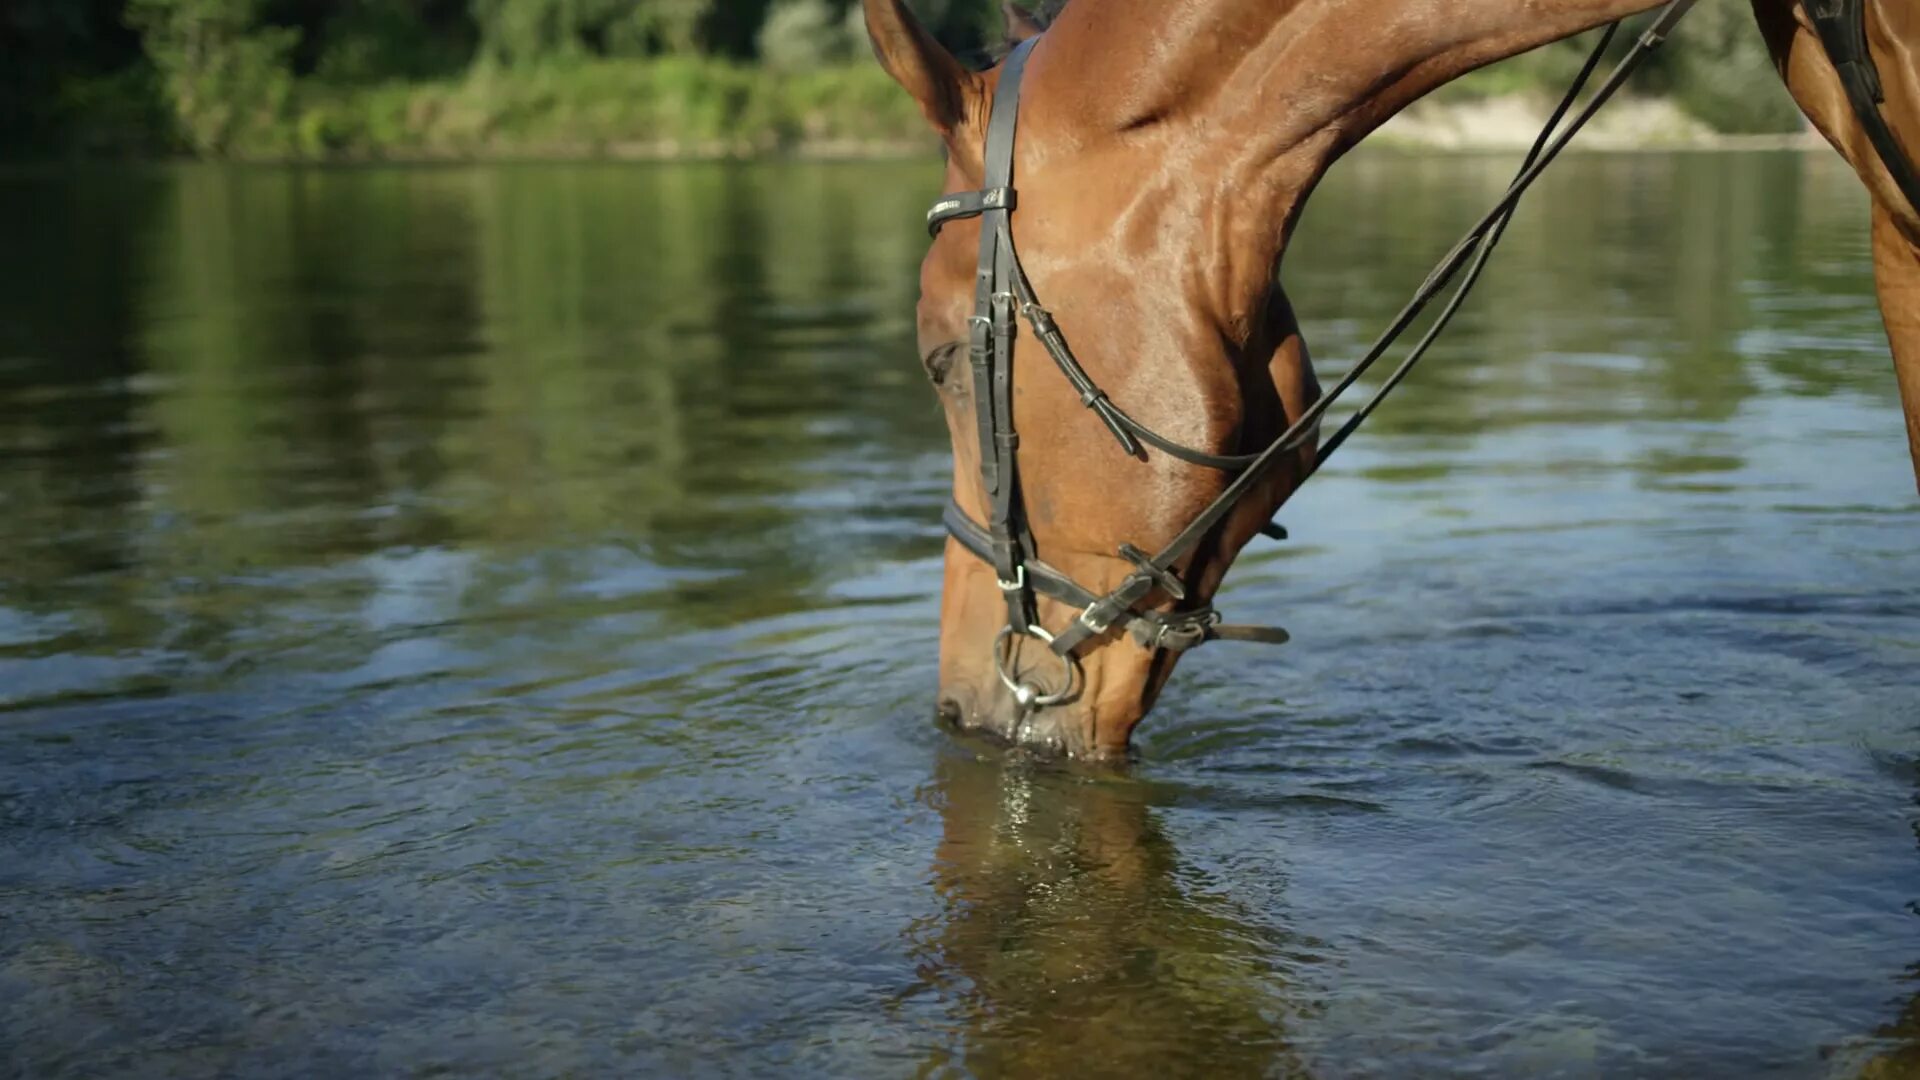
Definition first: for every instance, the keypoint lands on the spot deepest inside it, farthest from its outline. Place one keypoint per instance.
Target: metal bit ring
(1027, 694)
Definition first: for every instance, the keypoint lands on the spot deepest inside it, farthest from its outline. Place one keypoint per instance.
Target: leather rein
(1003, 295)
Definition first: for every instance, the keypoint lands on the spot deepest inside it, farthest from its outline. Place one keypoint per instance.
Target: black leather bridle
(1003, 295)
(1842, 26)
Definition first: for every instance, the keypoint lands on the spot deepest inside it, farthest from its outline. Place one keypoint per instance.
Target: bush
(801, 35)
(1716, 68)
(226, 79)
(1723, 74)
(656, 106)
(120, 112)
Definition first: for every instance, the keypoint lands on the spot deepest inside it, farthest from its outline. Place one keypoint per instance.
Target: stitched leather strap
(1842, 26)
(966, 204)
(1176, 630)
(990, 339)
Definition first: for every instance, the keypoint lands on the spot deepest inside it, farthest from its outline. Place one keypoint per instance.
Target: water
(484, 619)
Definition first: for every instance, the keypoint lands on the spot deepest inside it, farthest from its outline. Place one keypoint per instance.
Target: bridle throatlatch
(1003, 295)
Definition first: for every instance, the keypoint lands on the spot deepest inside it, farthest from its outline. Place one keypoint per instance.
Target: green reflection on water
(655, 356)
(1627, 273)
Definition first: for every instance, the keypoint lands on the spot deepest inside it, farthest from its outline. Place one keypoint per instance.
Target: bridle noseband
(1002, 295)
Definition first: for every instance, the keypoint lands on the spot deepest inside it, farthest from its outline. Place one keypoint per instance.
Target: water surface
(485, 619)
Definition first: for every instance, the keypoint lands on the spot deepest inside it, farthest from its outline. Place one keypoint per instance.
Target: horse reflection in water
(1067, 916)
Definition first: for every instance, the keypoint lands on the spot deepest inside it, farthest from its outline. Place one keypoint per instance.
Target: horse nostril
(948, 712)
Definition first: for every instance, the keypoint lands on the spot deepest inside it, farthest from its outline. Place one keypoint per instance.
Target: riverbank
(693, 108)
(674, 107)
(1513, 121)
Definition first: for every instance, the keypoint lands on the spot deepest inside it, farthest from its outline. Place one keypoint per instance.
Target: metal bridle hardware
(1003, 293)
(1166, 580)
(1027, 695)
(1177, 637)
(968, 204)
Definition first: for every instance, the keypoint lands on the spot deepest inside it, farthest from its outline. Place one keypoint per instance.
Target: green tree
(519, 32)
(522, 31)
(366, 41)
(59, 54)
(1723, 74)
(226, 77)
(804, 34)
(678, 24)
(732, 28)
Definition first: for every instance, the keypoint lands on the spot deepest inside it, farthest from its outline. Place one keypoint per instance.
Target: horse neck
(1296, 65)
(1265, 95)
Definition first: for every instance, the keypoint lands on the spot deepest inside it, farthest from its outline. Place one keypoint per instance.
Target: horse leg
(1896, 271)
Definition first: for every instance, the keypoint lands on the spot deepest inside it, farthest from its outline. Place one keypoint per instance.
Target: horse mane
(1044, 11)
(1040, 13)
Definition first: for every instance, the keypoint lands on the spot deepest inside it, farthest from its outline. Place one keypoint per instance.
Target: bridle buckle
(1165, 579)
(1178, 632)
(1019, 582)
(1099, 616)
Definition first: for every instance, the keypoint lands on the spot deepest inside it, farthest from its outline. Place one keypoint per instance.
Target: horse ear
(946, 91)
(1021, 25)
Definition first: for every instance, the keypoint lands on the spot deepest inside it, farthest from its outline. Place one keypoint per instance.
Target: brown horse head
(1109, 231)
(1164, 152)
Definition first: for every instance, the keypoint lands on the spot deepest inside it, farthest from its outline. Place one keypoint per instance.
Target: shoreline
(843, 154)
(1498, 124)
(1514, 121)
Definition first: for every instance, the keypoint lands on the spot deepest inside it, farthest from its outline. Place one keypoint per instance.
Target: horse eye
(940, 361)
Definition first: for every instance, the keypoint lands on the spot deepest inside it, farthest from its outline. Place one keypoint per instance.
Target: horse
(1165, 151)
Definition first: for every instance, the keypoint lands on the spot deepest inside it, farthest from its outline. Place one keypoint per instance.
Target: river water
(484, 619)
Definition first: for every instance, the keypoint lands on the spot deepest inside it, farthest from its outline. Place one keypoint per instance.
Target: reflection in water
(1071, 941)
(558, 365)
(672, 358)
(1655, 249)
(483, 619)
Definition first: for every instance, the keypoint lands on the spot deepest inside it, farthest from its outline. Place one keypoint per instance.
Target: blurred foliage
(802, 34)
(227, 76)
(1724, 75)
(1716, 68)
(667, 106)
(288, 78)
